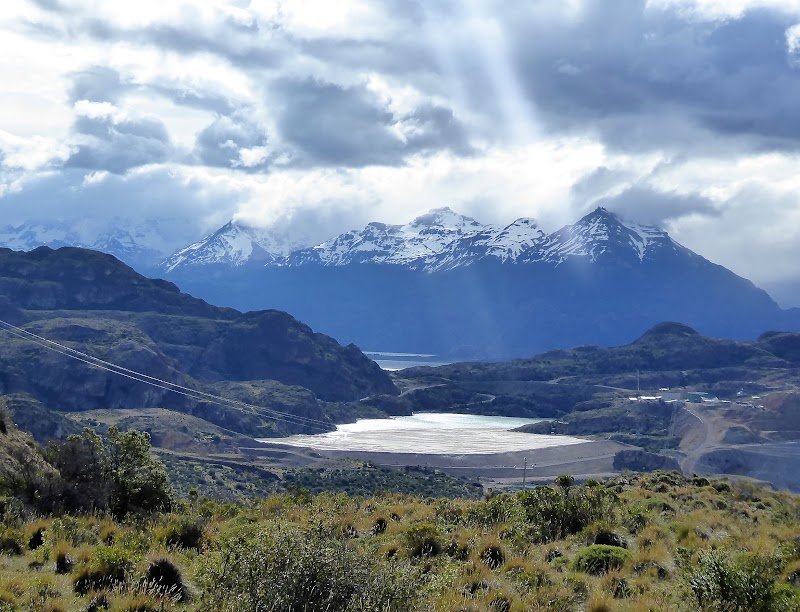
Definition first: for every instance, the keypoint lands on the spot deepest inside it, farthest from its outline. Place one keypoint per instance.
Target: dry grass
(667, 522)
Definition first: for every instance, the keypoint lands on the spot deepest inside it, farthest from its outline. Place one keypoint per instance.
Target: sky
(315, 117)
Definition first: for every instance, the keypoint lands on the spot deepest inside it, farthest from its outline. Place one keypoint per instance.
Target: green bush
(109, 567)
(11, 542)
(186, 532)
(422, 540)
(552, 514)
(742, 584)
(278, 569)
(117, 473)
(600, 558)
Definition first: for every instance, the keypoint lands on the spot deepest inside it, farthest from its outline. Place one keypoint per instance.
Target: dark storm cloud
(652, 207)
(220, 143)
(350, 126)
(645, 78)
(117, 145)
(600, 181)
(435, 127)
(336, 125)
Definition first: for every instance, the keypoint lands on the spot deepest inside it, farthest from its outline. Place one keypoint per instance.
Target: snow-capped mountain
(444, 240)
(438, 240)
(447, 284)
(234, 244)
(140, 244)
(434, 242)
(602, 235)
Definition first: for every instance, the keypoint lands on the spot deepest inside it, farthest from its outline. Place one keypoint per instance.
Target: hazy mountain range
(446, 284)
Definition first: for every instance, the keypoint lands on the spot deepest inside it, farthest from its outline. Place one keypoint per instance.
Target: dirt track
(703, 430)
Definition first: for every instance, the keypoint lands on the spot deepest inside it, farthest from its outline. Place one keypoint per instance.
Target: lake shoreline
(430, 433)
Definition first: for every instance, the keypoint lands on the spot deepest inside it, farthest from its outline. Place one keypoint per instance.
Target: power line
(160, 383)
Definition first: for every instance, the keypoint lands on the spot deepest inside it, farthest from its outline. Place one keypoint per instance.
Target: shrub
(11, 542)
(493, 556)
(609, 538)
(379, 526)
(500, 603)
(64, 559)
(97, 603)
(458, 550)
(185, 532)
(600, 558)
(35, 534)
(277, 569)
(165, 577)
(551, 514)
(743, 584)
(422, 540)
(109, 567)
(117, 473)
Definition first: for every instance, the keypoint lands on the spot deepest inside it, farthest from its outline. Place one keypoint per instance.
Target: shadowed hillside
(93, 303)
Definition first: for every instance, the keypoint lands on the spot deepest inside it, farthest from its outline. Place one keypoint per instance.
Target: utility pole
(524, 472)
(638, 386)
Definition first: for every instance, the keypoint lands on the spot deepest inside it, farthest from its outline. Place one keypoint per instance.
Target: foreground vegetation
(637, 542)
(93, 523)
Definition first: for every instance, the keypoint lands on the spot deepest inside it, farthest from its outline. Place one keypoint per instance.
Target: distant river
(399, 361)
(429, 433)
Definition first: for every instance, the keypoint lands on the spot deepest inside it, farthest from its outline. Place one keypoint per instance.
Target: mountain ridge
(447, 285)
(433, 242)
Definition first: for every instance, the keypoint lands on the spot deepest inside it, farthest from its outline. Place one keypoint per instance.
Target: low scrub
(600, 559)
(277, 569)
(108, 568)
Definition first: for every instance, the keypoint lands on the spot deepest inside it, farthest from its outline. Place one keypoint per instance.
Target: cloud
(199, 200)
(107, 138)
(756, 234)
(645, 78)
(331, 124)
(675, 112)
(652, 207)
(96, 84)
(226, 139)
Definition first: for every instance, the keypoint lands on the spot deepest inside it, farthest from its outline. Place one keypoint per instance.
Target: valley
(113, 349)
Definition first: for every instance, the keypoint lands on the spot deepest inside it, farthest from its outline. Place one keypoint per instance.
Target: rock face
(93, 303)
(446, 284)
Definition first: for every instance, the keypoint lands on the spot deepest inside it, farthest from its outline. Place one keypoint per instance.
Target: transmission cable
(160, 383)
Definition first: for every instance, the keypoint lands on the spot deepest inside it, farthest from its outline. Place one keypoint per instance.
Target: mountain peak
(603, 235)
(444, 217)
(234, 244)
(601, 215)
